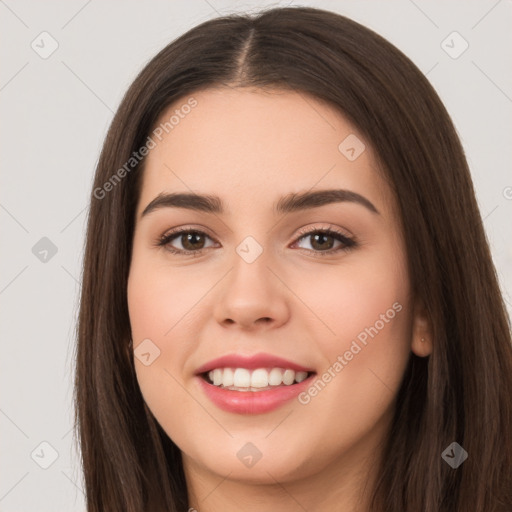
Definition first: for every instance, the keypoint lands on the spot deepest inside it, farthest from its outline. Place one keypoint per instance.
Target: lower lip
(253, 402)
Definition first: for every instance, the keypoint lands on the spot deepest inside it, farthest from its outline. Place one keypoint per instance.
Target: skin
(250, 147)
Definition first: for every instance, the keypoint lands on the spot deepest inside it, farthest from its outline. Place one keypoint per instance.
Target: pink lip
(252, 402)
(251, 363)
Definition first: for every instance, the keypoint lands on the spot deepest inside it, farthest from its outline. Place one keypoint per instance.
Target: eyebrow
(287, 204)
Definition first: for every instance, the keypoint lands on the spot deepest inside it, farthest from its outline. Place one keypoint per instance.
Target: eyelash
(348, 243)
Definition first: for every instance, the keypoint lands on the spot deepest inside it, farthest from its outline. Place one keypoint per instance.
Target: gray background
(55, 112)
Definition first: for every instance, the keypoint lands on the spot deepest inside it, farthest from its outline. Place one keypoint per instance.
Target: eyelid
(176, 232)
(187, 229)
(335, 229)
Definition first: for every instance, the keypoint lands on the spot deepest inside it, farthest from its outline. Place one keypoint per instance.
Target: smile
(252, 384)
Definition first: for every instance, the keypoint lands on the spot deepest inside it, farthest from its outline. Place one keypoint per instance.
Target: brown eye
(323, 240)
(191, 241)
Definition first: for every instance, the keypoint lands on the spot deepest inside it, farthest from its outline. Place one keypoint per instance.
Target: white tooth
(259, 378)
(227, 379)
(242, 378)
(300, 376)
(275, 377)
(217, 376)
(288, 377)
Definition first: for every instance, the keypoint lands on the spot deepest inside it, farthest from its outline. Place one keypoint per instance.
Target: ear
(421, 342)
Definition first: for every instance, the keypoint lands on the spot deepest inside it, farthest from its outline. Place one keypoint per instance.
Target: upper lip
(251, 362)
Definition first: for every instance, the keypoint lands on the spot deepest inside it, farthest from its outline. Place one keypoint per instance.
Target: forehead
(250, 146)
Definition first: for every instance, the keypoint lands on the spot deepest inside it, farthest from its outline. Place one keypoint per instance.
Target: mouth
(252, 384)
(249, 392)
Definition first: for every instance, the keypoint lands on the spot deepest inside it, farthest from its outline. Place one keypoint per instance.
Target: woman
(288, 299)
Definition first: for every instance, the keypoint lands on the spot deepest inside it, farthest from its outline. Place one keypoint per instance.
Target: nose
(252, 297)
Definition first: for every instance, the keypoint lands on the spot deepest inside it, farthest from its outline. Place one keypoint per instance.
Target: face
(317, 288)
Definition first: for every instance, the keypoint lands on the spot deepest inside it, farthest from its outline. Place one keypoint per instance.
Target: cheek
(163, 308)
(157, 309)
(366, 292)
(161, 299)
(364, 336)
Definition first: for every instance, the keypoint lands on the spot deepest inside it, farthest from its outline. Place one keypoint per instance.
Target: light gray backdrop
(64, 68)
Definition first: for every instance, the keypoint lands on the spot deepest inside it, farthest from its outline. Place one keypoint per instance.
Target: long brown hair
(460, 393)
